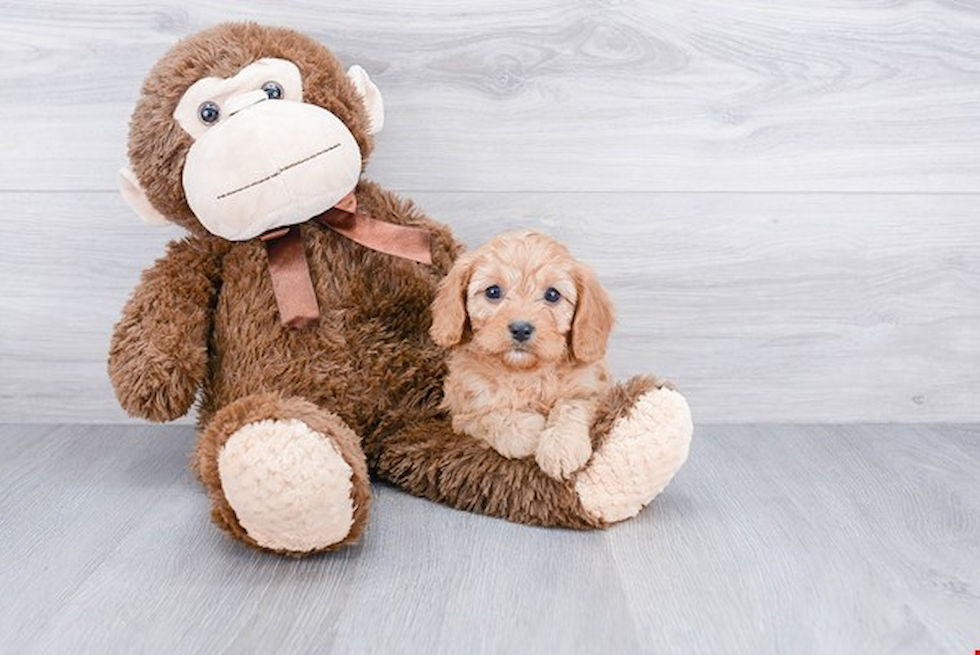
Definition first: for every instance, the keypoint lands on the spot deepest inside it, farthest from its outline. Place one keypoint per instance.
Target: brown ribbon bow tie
(290, 271)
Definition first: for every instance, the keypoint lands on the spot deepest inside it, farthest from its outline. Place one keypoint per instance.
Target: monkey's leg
(640, 439)
(428, 459)
(284, 475)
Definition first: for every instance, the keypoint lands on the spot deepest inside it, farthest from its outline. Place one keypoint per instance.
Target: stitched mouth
(279, 172)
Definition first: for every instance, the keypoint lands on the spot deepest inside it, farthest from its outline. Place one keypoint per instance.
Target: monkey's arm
(159, 348)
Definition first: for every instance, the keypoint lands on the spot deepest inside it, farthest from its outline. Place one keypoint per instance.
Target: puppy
(530, 326)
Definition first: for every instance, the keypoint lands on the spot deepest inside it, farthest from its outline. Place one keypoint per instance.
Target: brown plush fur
(204, 317)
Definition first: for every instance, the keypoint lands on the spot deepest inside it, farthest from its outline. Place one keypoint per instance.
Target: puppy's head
(524, 300)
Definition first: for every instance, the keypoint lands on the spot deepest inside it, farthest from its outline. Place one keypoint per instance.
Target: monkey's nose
(521, 331)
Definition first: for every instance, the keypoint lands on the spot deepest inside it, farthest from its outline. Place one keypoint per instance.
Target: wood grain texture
(798, 516)
(776, 539)
(528, 96)
(761, 307)
(782, 198)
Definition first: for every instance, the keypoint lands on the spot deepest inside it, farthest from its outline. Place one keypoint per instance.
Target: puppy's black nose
(521, 331)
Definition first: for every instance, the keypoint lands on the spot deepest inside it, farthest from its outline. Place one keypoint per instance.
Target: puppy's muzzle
(521, 331)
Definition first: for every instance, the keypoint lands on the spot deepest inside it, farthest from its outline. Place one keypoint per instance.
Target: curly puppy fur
(528, 375)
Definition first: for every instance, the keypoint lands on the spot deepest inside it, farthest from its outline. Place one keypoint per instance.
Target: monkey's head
(241, 129)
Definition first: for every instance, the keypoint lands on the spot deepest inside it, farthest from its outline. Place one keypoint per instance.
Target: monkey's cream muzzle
(270, 164)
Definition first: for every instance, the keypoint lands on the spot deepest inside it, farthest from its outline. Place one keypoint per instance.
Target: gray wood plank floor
(774, 539)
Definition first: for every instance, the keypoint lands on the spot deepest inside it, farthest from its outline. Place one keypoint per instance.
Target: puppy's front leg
(513, 434)
(565, 444)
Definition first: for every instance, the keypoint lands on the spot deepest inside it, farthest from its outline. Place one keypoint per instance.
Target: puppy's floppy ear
(449, 308)
(593, 320)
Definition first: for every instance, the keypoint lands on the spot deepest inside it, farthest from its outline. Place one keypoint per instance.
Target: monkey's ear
(136, 198)
(371, 96)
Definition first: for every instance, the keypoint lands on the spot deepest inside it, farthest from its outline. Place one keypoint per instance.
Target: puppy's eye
(494, 293)
(552, 296)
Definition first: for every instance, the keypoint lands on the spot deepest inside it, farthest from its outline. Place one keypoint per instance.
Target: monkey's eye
(209, 113)
(494, 293)
(273, 90)
(552, 296)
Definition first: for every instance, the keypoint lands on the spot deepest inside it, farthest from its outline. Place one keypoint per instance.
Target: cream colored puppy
(530, 326)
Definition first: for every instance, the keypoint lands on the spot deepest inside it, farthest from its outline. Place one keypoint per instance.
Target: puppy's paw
(520, 435)
(563, 449)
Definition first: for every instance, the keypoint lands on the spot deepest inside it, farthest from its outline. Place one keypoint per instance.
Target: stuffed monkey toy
(296, 312)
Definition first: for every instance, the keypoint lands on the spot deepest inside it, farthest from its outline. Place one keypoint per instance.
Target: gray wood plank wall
(781, 197)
